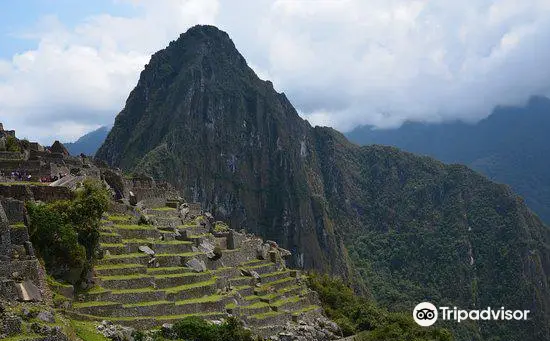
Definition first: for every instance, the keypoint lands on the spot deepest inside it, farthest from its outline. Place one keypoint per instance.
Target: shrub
(196, 329)
(356, 314)
(66, 233)
(12, 145)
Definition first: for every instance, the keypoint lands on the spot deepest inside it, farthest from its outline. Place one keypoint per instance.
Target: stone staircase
(144, 290)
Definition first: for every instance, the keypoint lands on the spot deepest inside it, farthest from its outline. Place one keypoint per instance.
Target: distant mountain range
(406, 227)
(511, 146)
(89, 143)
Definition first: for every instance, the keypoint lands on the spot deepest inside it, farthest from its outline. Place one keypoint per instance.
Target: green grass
(23, 337)
(108, 234)
(256, 305)
(162, 209)
(87, 331)
(134, 291)
(185, 254)
(210, 298)
(116, 217)
(27, 183)
(282, 280)
(111, 245)
(92, 304)
(146, 304)
(18, 225)
(127, 255)
(123, 277)
(285, 301)
(133, 227)
(305, 309)
(118, 266)
(185, 274)
(177, 269)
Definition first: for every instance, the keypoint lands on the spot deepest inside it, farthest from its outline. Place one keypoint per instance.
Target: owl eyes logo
(425, 314)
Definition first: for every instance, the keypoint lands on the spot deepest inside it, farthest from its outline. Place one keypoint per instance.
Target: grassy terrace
(163, 209)
(87, 331)
(174, 290)
(146, 304)
(156, 241)
(204, 299)
(93, 304)
(133, 227)
(26, 183)
(190, 274)
(118, 266)
(127, 255)
(124, 277)
(116, 217)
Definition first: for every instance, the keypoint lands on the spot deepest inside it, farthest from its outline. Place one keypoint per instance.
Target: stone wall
(14, 209)
(20, 272)
(36, 193)
(10, 155)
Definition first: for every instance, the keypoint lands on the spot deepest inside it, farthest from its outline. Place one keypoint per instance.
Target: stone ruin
(165, 262)
(161, 259)
(20, 272)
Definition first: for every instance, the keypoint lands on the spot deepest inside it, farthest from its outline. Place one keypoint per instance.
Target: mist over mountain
(88, 144)
(405, 228)
(511, 146)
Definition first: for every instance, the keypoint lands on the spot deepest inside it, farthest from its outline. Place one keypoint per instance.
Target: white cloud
(341, 63)
(77, 79)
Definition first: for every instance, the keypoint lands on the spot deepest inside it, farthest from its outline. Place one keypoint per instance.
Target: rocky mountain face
(510, 146)
(407, 228)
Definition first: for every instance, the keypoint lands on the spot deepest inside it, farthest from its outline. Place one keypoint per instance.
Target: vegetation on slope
(66, 233)
(358, 315)
(510, 146)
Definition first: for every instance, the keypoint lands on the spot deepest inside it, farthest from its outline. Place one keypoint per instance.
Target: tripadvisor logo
(425, 314)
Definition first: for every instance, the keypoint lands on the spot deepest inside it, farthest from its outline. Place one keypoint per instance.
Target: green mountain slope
(510, 146)
(410, 227)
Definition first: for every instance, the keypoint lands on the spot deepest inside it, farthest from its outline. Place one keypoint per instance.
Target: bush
(55, 240)
(12, 145)
(66, 233)
(356, 314)
(196, 329)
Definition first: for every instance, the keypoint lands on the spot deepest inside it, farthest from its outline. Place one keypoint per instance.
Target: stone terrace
(161, 272)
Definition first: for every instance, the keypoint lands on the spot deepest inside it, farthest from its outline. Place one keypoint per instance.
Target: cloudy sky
(67, 66)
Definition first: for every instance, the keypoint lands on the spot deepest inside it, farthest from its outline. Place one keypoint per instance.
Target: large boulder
(28, 292)
(196, 264)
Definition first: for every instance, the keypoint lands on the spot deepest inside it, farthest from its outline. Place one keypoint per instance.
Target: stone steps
(169, 270)
(134, 293)
(274, 276)
(255, 308)
(186, 292)
(159, 246)
(243, 280)
(97, 308)
(173, 260)
(110, 238)
(120, 270)
(127, 282)
(130, 258)
(263, 268)
(136, 232)
(174, 280)
(162, 212)
(114, 249)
